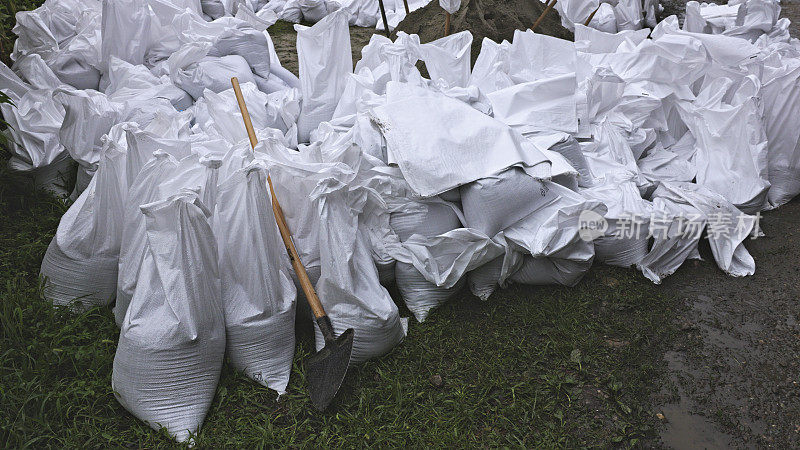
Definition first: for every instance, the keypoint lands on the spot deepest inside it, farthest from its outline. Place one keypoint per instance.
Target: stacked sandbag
(625, 240)
(349, 287)
(88, 117)
(172, 341)
(144, 189)
(34, 118)
(80, 264)
(258, 294)
(66, 34)
(325, 60)
(428, 218)
(683, 211)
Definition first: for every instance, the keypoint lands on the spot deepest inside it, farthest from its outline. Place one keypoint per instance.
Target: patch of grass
(532, 367)
(8, 8)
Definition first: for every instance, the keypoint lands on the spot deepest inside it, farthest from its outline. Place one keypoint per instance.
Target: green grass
(532, 367)
(8, 8)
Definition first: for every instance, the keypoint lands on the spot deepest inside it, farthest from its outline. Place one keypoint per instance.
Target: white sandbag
(258, 294)
(420, 295)
(629, 14)
(80, 264)
(66, 35)
(448, 58)
(575, 11)
(604, 20)
(175, 326)
(52, 178)
(88, 117)
(450, 6)
(681, 212)
(348, 287)
(125, 30)
(246, 42)
(625, 240)
(494, 203)
(211, 73)
(731, 143)
(553, 270)
(552, 237)
(133, 85)
(134, 236)
(34, 120)
(325, 60)
(780, 95)
(490, 72)
(426, 218)
(440, 143)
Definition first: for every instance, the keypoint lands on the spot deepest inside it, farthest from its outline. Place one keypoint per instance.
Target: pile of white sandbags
(546, 156)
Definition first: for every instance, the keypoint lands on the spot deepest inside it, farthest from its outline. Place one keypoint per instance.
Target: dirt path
(733, 378)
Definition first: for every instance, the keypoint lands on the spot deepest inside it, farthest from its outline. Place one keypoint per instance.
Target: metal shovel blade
(326, 369)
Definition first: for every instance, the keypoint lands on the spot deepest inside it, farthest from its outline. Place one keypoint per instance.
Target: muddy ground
(732, 375)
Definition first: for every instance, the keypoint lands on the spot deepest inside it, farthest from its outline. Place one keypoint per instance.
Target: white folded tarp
(440, 143)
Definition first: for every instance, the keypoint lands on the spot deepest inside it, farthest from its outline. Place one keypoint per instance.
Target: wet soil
(733, 376)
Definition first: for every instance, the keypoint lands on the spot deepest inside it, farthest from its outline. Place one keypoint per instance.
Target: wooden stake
(405, 3)
(544, 13)
(383, 14)
(591, 16)
(447, 23)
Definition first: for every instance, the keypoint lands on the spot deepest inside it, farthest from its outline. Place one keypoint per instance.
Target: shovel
(326, 368)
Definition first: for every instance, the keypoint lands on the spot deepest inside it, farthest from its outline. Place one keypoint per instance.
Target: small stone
(436, 380)
(610, 282)
(661, 417)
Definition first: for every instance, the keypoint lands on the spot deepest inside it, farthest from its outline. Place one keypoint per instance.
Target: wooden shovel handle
(280, 219)
(544, 13)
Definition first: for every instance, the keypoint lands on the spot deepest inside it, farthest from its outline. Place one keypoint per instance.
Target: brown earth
(495, 19)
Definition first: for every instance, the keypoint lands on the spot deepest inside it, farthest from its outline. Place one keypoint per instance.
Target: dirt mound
(495, 19)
